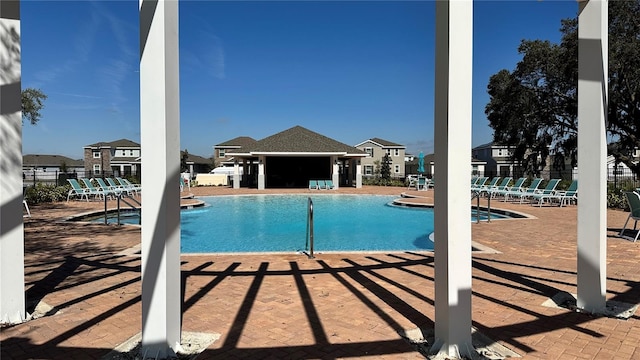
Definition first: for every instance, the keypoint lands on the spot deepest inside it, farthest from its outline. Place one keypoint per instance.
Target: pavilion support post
(261, 179)
(592, 155)
(452, 228)
(335, 175)
(12, 295)
(236, 175)
(358, 175)
(160, 141)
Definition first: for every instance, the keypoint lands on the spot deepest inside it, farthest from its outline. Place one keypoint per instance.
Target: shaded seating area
(321, 185)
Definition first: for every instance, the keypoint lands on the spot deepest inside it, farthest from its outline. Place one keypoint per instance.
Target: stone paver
(333, 306)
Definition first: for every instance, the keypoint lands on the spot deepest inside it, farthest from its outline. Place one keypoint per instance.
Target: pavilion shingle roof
(298, 139)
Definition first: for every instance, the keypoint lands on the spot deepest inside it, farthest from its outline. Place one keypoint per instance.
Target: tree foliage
(385, 168)
(184, 157)
(32, 104)
(534, 108)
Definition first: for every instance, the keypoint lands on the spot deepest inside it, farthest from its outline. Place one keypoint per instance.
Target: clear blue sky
(350, 70)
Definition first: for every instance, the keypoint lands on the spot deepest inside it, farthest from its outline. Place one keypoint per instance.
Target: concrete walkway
(334, 306)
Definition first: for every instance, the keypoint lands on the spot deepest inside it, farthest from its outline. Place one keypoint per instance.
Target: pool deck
(351, 305)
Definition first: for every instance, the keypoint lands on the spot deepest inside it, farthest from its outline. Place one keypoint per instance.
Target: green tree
(32, 103)
(385, 169)
(184, 156)
(63, 166)
(534, 107)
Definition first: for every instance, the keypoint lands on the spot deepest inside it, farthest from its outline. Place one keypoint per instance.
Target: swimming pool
(278, 223)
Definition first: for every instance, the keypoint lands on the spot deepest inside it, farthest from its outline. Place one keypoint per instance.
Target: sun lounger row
(321, 185)
(101, 189)
(532, 194)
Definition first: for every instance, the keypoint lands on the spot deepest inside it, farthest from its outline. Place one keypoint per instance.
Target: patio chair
(421, 185)
(92, 190)
(633, 199)
(115, 185)
(549, 190)
(563, 197)
(535, 183)
(129, 186)
(485, 188)
(480, 182)
(503, 186)
(517, 186)
(322, 185)
(77, 190)
(329, 184)
(313, 184)
(26, 207)
(108, 189)
(411, 181)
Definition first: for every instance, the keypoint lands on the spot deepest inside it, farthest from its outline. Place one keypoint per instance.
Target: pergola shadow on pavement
(334, 306)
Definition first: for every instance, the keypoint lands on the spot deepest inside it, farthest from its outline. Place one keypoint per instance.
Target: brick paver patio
(333, 306)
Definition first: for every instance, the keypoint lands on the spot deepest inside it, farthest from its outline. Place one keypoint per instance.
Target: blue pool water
(278, 223)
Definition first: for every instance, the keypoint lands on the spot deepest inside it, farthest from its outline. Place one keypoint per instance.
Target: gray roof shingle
(117, 144)
(299, 140)
(49, 160)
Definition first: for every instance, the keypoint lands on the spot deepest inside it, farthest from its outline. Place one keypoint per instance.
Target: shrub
(45, 193)
(378, 181)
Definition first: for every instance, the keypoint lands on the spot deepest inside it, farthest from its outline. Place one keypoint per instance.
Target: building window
(130, 152)
(397, 169)
(369, 151)
(396, 152)
(368, 170)
(221, 153)
(96, 169)
(96, 154)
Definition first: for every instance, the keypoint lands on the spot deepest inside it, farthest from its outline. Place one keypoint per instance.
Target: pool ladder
(122, 196)
(309, 237)
(476, 195)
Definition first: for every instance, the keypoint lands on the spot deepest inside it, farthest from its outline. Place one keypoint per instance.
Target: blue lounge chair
(563, 197)
(77, 190)
(107, 189)
(517, 186)
(549, 190)
(329, 184)
(313, 184)
(486, 186)
(92, 190)
(115, 185)
(535, 183)
(322, 185)
(129, 186)
(503, 186)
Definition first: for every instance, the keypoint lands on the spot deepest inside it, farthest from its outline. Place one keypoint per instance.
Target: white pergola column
(452, 228)
(358, 175)
(160, 145)
(592, 154)
(12, 301)
(335, 175)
